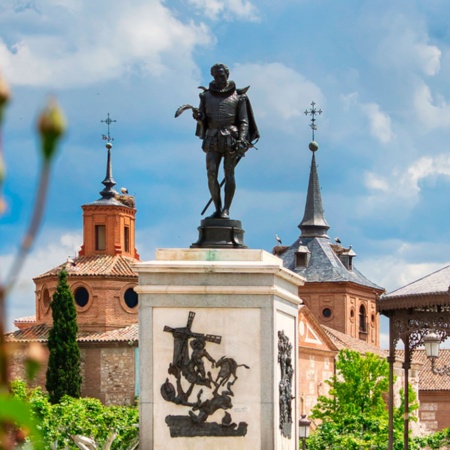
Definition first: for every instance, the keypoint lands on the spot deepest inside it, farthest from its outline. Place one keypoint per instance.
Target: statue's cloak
(253, 133)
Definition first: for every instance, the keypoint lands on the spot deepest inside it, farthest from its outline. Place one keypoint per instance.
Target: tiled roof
(127, 334)
(39, 333)
(96, 265)
(436, 283)
(343, 341)
(428, 381)
(28, 319)
(324, 264)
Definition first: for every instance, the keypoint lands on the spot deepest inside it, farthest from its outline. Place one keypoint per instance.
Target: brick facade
(106, 308)
(108, 371)
(316, 355)
(339, 305)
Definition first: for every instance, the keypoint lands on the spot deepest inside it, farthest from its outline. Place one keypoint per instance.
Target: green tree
(354, 415)
(64, 423)
(63, 372)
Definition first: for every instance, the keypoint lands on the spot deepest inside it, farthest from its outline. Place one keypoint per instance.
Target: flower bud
(51, 127)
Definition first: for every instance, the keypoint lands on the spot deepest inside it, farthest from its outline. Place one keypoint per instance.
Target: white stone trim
(221, 290)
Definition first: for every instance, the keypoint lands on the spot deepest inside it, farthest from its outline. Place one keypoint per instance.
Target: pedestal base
(238, 308)
(220, 233)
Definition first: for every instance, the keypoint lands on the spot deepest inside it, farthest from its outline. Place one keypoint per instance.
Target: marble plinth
(237, 302)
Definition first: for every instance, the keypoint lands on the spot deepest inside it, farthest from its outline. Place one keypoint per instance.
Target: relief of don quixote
(193, 365)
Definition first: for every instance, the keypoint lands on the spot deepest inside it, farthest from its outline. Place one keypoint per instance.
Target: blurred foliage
(78, 416)
(16, 421)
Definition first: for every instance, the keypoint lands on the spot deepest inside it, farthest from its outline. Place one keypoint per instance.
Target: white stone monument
(218, 351)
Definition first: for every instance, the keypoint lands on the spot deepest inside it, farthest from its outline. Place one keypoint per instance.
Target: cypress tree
(63, 372)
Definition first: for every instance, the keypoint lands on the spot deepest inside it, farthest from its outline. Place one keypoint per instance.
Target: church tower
(101, 277)
(102, 280)
(337, 294)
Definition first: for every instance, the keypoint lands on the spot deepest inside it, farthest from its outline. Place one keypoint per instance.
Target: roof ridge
(418, 280)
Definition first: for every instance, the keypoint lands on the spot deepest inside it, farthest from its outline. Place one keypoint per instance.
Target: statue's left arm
(242, 118)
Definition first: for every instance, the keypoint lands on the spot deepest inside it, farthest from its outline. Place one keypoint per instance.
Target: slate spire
(313, 223)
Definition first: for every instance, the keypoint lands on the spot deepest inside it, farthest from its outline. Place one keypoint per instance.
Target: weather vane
(312, 112)
(108, 122)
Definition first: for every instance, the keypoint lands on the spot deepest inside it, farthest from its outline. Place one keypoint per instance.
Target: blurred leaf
(15, 411)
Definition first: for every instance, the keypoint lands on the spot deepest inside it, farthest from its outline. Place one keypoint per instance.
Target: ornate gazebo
(415, 311)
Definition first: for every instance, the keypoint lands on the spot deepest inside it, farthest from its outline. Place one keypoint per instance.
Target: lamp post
(303, 429)
(431, 342)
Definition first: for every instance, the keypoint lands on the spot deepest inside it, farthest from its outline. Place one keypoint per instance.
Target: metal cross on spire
(108, 122)
(312, 112)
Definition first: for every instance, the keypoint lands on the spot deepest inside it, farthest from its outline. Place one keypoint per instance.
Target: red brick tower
(101, 276)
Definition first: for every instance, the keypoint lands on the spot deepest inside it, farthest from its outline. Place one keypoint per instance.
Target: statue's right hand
(197, 115)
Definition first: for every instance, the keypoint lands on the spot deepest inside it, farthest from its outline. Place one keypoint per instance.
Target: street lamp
(303, 429)
(431, 342)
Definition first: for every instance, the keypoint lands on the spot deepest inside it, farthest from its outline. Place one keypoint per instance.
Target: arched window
(362, 319)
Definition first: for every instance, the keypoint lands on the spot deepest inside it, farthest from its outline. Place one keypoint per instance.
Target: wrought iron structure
(313, 112)
(411, 320)
(432, 341)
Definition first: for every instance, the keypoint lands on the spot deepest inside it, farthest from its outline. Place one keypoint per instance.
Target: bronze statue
(226, 124)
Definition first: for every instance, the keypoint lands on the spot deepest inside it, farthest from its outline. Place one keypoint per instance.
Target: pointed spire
(313, 223)
(109, 181)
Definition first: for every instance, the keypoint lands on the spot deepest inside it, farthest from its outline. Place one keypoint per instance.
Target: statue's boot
(217, 214)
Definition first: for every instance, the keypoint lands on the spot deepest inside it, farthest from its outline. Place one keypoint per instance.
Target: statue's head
(220, 73)
(219, 67)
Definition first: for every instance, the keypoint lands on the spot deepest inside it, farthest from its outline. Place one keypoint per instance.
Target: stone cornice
(219, 290)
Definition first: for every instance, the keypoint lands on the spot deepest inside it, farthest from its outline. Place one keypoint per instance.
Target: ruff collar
(225, 92)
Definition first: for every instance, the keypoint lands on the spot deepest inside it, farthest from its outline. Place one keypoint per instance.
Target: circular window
(352, 314)
(81, 295)
(326, 312)
(372, 317)
(131, 298)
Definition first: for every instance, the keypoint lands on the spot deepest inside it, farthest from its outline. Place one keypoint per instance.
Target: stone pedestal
(218, 346)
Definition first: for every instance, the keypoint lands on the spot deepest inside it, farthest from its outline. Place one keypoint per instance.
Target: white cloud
(379, 122)
(405, 46)
(278, 92)
(227, 9)
(434, 114)
(406, 184)
(80, 47)
(376, 182)
(400, 262)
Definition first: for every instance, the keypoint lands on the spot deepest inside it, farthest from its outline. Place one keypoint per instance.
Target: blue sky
(378, 69)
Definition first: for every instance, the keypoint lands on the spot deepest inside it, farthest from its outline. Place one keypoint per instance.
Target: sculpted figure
(227, 127)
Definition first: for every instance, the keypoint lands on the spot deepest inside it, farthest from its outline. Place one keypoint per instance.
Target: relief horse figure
(227, 367)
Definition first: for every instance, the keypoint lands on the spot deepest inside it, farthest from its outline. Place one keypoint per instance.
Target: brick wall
(434, 409)
(108, 371)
